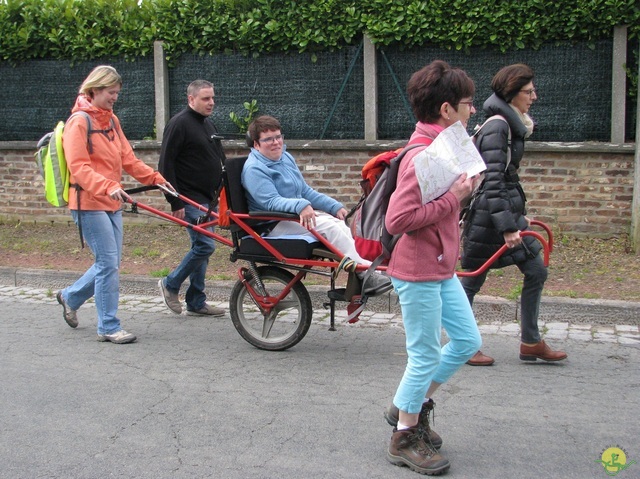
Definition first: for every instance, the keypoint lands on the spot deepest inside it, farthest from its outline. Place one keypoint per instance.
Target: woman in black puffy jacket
(498, 214)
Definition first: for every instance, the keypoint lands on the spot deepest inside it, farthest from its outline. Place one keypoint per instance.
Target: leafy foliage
(242, 123)
(88, 29)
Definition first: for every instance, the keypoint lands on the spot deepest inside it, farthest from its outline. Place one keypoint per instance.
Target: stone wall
(577, 188)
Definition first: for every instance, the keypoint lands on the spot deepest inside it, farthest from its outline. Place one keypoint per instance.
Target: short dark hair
(260, 124)
(196, 85)
(508, 82)
(435, 84)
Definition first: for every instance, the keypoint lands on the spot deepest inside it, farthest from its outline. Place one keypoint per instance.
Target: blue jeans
(426, 308)
(535, 275)
(194, 264)
(102, 231)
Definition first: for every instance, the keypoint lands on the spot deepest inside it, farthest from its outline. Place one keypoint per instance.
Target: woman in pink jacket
(422, 268)
(96, 163)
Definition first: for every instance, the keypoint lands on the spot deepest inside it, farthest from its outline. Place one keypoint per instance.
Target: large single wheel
(286, 324)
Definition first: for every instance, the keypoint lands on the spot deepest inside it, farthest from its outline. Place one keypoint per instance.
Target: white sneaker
(119, 337)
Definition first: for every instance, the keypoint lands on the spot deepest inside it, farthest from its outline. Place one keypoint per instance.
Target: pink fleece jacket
(429, 248)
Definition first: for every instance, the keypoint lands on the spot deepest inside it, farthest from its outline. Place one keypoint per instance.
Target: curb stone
(487, 308)
(560, 318)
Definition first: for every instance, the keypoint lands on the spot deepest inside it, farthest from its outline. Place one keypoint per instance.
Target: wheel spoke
(269, 319)
(286, 304)
(285, 324)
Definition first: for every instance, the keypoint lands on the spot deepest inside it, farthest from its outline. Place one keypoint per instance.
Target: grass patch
(143, 252)
(514, 293)
(160, 273)
(565, 293)
(221, 277)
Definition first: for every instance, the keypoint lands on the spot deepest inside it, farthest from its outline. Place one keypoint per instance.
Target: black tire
(292, 315)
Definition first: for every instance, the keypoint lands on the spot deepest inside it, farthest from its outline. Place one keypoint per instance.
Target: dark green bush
(86, 29)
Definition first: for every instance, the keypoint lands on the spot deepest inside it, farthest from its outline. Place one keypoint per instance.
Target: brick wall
(576, 188)
(580, 192)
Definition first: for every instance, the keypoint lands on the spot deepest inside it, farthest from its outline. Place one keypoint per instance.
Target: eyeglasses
(530, 92)
(271, 139)
(469, 103)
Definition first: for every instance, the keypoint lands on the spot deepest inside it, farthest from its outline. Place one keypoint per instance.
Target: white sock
(426, 400)
(402, 427)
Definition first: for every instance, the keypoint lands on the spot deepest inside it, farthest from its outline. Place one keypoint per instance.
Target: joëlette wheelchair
(270, 306)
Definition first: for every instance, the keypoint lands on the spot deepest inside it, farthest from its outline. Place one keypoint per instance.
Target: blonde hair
(102, 76)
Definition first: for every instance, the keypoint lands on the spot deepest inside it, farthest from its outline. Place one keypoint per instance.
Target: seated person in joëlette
(273, 182)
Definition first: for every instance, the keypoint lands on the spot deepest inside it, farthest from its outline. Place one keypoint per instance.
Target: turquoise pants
(427, 307)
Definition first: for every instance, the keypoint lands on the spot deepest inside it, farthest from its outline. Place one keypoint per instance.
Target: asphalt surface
(192, 399)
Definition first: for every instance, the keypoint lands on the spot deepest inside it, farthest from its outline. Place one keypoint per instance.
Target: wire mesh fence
(321, 95)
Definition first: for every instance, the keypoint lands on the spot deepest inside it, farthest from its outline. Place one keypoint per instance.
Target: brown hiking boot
(407, 448)
(428, 434)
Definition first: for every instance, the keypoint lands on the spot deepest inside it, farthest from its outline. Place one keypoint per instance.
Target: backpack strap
(77, 187)
(466, 210)
(108, 133)
(89, 131)
(492, 118)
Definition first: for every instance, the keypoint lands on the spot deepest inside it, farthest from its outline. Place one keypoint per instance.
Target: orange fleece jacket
(99, 174)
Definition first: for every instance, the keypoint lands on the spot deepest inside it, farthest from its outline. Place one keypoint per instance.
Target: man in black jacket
(191, 159)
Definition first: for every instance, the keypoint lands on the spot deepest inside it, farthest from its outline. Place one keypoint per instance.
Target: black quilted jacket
(500, 204)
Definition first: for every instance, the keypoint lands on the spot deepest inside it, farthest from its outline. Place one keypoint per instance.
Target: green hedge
(79, 30)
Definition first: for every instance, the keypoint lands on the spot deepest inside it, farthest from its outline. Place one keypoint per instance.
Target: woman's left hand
(168, 186)
(462, 187)
(512, 238)
(341, 214)
(120, 195)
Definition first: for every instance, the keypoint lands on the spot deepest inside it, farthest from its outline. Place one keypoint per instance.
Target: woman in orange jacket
(97, 152)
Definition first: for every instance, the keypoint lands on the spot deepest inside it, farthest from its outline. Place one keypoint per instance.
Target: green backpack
(53, 165)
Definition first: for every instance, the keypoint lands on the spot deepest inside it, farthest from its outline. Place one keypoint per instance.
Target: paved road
(191, 399)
